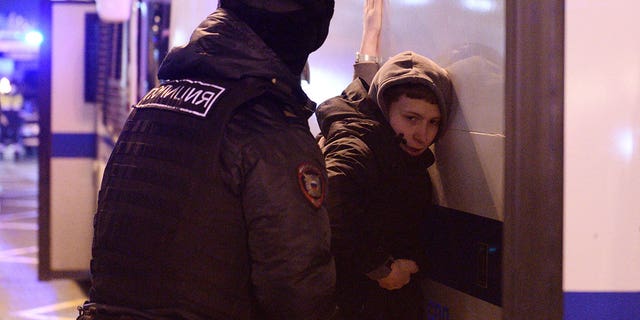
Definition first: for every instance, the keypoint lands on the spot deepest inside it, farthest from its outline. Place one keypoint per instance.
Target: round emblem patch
(312, 184)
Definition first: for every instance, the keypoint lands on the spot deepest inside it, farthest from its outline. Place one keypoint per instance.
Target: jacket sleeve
(365, 71)
(293, 273)
(356, 235)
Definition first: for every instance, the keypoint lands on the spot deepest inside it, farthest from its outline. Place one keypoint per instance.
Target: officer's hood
(223, 46)
(291, 28)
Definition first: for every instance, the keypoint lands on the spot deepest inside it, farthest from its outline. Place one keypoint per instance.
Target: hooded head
(291, 28)
(410, 68)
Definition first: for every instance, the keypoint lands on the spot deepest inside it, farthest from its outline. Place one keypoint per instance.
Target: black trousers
(368, 301)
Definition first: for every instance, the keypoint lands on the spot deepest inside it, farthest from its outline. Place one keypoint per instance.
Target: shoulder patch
(312, 183)
(187, 96)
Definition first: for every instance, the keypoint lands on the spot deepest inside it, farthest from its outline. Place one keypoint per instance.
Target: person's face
(417, 120)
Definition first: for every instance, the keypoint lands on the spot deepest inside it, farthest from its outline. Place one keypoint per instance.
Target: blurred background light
(480, 5)
(5, 85)
(625, 143)
(416, 2)
(33, 38)
(7, 66)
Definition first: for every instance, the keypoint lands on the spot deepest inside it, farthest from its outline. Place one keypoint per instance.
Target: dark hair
(411, 90)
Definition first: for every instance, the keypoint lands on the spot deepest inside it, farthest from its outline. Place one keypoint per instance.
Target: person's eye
(411, 118)
(435, 122)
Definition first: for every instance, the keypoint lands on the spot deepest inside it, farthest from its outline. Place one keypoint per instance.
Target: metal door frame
(534, 115)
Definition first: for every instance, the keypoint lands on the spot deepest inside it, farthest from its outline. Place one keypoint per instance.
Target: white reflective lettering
(207, 99)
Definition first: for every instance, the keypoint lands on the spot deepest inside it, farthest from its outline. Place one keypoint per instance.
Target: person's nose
(420, 135)
(423, 136)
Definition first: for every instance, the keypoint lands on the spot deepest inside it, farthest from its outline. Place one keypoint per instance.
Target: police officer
(211, 204)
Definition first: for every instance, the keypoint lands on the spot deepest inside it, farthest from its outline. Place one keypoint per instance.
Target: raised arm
(371, 27)
(368, 58)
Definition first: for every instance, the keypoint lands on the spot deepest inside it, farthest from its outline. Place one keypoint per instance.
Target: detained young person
(375, 138)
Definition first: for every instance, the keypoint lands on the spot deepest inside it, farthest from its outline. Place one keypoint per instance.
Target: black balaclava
(291, 28)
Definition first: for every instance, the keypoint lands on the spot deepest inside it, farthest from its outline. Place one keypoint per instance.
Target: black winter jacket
(211, 203)
(378, 194)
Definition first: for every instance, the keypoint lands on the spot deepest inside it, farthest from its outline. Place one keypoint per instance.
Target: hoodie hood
(409, 67)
